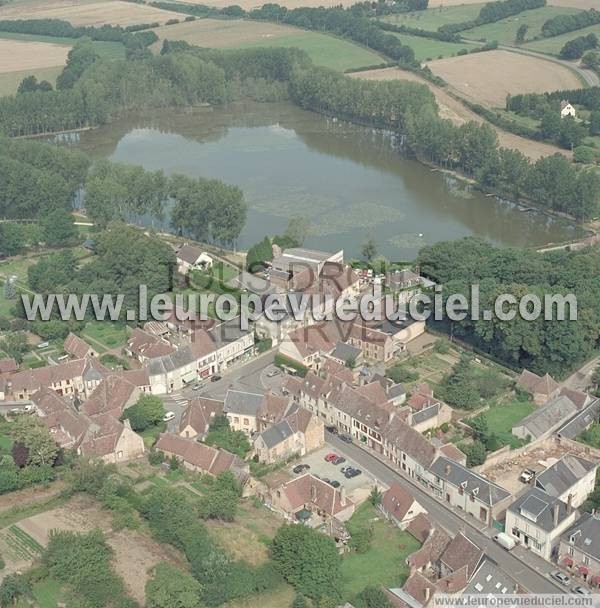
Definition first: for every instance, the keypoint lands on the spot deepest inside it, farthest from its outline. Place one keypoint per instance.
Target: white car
(168, 416)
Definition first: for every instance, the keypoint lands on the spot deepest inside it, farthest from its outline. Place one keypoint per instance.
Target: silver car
(563, 579)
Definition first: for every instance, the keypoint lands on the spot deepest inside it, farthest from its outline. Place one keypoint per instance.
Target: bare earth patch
(79, 12)
(16, 56)
(219, 33)
(487, 78)
(135, 553)
(453, 110)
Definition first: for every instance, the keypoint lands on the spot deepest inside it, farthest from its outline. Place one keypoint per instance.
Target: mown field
(553, 45)
(323, 49)
(505, 31)
(80, 12)
(435, 17)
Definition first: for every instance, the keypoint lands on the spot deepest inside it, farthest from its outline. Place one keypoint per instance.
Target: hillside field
(436, 16)
(323, 49)
(427, 49)
(555, 44)
(487, 78)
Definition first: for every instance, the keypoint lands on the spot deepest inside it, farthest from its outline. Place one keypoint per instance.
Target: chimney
(556, 514)
(427, 593)
(570, 503)
(448, 469)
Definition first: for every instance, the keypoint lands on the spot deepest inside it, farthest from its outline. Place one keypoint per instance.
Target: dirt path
(453, 110)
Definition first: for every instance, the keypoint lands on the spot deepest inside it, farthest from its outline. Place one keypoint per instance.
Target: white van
(505, 541)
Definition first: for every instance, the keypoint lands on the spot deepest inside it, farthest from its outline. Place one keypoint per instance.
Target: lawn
(552, 46)
(384, 562)
(104, 335)
(434, 18)
(46, 593)
(502, 417)
(427, 49)
(505, 31)
(325, 50)
(282, 597)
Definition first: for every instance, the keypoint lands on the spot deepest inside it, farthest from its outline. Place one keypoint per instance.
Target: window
(246, 422)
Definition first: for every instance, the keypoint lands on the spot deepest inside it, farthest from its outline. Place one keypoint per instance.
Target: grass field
(553, 45)
(384, 562)
(80, 12)
(46, 593)
(505, 31)
(434, 18)
(426, 49)
(104, 334)
(501, 419)
(487, 78)
(323, 49)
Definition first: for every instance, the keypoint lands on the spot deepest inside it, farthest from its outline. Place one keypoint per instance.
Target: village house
(309, 499)
(545, 419)
(464, 489)
(298, 433)
(144, 346)
(112, 396)
(254, 412)
(202, 458)
(399, 506)
(8, 366)
(77, 348)
(192, 258)
(566, 109)
(426, 411)
(581, 421)
(579, 548)
(197, 417)
(571, 478)
(537, 520)
(540, 388)
(77, 378)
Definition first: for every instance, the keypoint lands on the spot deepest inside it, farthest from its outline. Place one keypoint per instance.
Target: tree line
(574, 49)
(492, 12)
(542, 346)
(561, 24)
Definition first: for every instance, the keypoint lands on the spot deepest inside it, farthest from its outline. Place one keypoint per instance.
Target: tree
(550, 125)
(36, 437)
(147, 411)
(475, 453)
(584, 155)
(9, 289)
(220, 434)
(521, 33)
(458, 388)
(369, 250)
(308, 560)
(172, 588)
(372, 597)
(299, 602)
(375, 496)
(221, 498)
(595, 122)
(58, 228)
(297, 230)
(13, 587)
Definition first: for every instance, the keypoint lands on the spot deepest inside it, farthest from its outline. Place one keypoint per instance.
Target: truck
(505, 541)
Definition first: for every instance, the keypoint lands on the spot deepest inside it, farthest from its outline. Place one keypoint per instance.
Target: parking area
(357, 488)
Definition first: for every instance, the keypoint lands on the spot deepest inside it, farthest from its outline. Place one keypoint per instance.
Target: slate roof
(538, 507)
(276, 434)
(455, 474)
(490, 578)
(581, 421)
(405, 438)
(345, 352)
(426, 413)
(245, 404)
(547, 417)
(585, 535)
(189, 254)
(563, 474)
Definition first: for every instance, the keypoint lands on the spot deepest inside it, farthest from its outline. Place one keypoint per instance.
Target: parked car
(338, 460)
(527, 475)
(334, 483)
(215, 378)
(346, 438)
(505, 541)
(331, 429)
(352, 472)
(300, 468)
(273, 373)
(168, 416)
(581, 590)
(345, 469)
(325, 479)
(562, 578)
(197, 386)
(331, 457)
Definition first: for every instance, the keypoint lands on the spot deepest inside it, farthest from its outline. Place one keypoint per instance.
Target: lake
(349, 181)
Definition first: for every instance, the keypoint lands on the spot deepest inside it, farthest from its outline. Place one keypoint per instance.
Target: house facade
(579, 548)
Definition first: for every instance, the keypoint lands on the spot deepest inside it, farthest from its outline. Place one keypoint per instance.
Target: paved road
(525, 573)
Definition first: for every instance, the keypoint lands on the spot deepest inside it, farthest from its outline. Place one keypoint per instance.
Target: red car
(330, 457)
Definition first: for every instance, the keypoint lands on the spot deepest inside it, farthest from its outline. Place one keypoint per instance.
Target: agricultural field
(323, 49)
(553, 45)
(427, 49)
(80, 12)
(435, 17)
(505, 31)
(581, 4)
(17, 56)
(250, 4)
(487, 78)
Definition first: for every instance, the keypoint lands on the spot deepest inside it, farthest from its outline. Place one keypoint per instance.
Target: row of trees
(561, 24)
(574, 49)
(544, 346)
(492, 12)
(529, 103)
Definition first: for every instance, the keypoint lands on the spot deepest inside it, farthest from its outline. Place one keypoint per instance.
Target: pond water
(349, 181)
